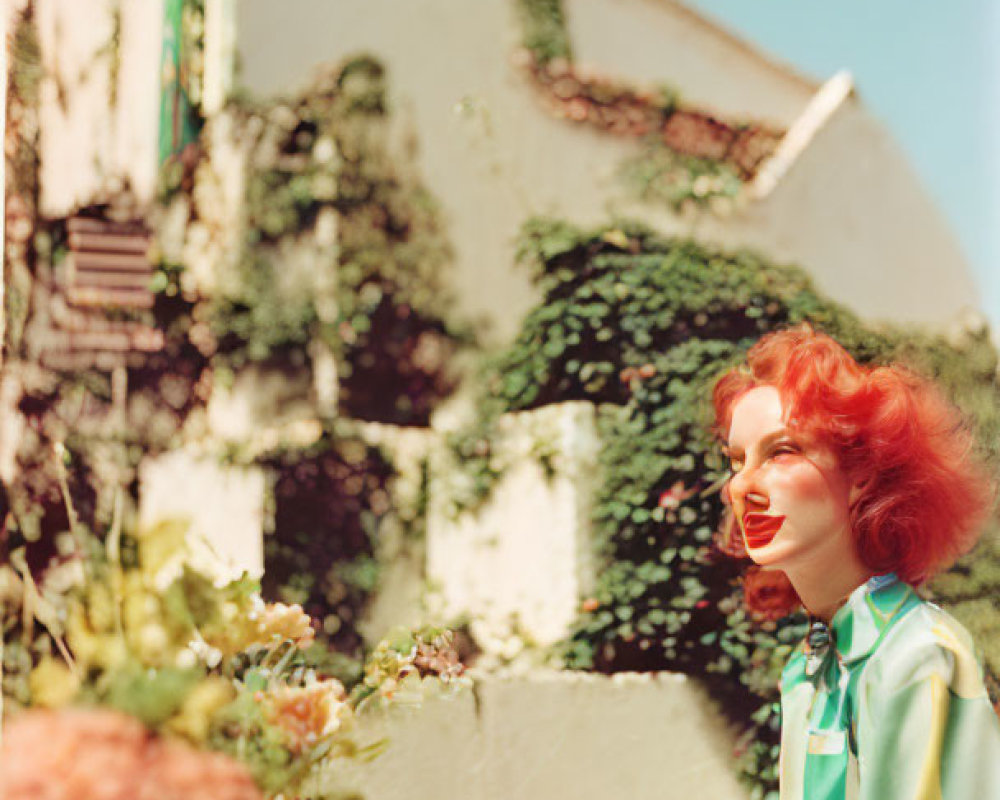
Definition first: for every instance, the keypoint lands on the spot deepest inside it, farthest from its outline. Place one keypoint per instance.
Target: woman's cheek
(803, 482)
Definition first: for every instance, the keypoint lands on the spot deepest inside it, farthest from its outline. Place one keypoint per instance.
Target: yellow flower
(201, 703)
(52, 683)
(92, 648)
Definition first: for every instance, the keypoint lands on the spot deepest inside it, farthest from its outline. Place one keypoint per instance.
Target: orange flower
(307, 713)
(628, 374)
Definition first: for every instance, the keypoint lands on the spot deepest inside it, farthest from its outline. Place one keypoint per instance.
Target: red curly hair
(924, 492)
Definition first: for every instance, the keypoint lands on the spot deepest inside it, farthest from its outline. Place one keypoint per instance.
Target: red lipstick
(759, 529)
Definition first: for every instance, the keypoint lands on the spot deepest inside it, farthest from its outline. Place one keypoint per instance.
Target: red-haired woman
(855, 483)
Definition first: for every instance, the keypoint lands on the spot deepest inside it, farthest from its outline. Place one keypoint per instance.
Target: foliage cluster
(642, 325)
(344, 246)
(192, 48)
(321, 177)
(661, 175)
(79, 429)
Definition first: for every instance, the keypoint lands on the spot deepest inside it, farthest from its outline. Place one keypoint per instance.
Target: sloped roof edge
(719, 29)
(830, 97)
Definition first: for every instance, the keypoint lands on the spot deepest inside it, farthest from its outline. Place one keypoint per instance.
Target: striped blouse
(893, 707)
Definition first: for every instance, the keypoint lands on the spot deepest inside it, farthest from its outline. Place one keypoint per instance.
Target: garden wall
(549, 735)
(521, 562)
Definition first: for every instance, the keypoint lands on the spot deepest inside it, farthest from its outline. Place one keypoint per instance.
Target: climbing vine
(327, 501)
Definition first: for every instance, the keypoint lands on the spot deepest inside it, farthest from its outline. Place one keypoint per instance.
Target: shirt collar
(860, 623)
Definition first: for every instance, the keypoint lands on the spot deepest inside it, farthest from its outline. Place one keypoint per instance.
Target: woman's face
(791, 500)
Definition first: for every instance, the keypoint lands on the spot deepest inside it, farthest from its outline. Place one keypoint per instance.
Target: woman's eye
(784, 449)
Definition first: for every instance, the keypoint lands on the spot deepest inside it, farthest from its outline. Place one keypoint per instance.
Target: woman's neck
(823, 585)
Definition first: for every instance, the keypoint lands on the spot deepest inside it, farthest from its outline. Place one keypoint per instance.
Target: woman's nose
(743, 489)
(756, 501)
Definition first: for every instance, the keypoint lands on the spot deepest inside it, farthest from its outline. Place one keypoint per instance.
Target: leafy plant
(215, 665)
(662, 175)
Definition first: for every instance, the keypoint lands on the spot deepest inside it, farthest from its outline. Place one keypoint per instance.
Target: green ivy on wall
(661, 175)
(642, 325)
(325, 190)
(544, 29)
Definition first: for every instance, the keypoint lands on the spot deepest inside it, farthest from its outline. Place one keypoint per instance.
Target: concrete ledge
(547, 735)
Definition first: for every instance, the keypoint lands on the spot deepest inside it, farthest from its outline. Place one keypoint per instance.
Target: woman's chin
(769, 556)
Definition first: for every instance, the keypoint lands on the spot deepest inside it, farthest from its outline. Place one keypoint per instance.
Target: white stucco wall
(850, 209)
(86, 145)
(546, 735)
(224, 506)
(656, 41)
(521, 562)
(854, 213)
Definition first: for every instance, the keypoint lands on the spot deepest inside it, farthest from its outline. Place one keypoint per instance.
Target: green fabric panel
(826, 777)
(794, 672)
(844, 633)
(853, 701)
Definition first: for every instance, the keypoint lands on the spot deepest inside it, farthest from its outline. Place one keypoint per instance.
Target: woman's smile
(759, 529)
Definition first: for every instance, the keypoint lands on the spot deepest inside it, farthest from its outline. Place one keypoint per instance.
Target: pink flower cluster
(92, 754)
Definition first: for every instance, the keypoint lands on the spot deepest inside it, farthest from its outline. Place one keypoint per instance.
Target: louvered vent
(106, 275)
(107, 265)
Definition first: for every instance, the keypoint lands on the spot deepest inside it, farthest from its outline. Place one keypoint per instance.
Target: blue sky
(927, 69)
